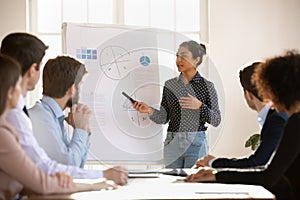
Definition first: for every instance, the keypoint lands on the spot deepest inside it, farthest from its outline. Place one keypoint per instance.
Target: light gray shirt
(48, 128)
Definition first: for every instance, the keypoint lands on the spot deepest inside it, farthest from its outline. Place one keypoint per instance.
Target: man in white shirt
(29, 51)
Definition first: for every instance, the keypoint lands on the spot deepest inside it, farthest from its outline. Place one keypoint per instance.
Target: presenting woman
(189, 101)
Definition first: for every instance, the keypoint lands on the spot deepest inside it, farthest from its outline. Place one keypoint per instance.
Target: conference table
(168, 187)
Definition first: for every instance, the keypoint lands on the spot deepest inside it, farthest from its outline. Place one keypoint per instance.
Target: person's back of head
(60, 74)
(279, 77)
(25, 48)
(10, 72)
(245, 75)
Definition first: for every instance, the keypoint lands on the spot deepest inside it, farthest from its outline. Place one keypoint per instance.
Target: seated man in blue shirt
(269, 119)
(62, 79)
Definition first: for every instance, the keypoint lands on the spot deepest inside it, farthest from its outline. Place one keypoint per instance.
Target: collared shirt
(48, 128)
(22, 124)
(261, 117)
(188, 120)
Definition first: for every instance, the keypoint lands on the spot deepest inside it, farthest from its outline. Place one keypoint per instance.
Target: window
(47, 16)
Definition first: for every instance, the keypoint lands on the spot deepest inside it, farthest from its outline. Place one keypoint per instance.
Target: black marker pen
(128, 97)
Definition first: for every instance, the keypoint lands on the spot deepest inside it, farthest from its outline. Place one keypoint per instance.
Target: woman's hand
(190, 102)
(94, 185)
(105, 185)
(203, 175)
(64, 180)
(203, 162)
(142, 107)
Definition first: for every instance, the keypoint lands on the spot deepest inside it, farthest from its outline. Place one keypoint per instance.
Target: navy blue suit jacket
(269, 137)
(281, 175)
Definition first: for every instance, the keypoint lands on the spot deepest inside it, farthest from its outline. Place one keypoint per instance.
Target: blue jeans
(183, 149)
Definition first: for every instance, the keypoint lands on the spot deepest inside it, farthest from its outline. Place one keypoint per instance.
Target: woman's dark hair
(279, 76)
(10, 71)
(198, 50)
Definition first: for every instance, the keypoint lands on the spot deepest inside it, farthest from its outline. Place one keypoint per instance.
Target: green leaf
(253, 141)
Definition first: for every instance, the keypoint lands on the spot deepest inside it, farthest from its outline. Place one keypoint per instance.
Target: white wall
(12, 16)
(242, 31)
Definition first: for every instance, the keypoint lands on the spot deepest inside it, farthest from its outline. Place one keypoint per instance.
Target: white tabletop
(171, 187)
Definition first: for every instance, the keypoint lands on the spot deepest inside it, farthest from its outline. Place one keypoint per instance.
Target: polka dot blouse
(188, 120)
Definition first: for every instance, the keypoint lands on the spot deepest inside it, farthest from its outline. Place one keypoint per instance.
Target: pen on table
(246, 193)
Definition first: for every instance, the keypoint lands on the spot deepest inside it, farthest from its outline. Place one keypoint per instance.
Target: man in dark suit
(272, 124)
